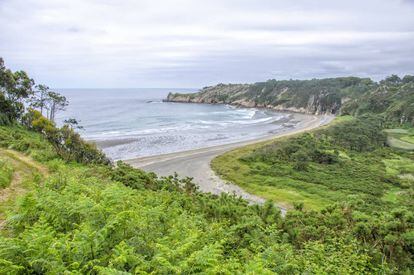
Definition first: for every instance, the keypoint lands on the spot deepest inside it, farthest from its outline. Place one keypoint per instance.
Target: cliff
(316, 96)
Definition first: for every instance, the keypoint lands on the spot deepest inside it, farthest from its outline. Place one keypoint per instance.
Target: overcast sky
(192, 43)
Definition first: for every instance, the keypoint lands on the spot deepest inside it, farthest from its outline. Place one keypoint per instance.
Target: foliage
(80, 220)
(103, 219)
(67, 143)
(311, 96)
(15, 87)
(6, 174)
(393, 98)
(112, 219)
(55, 102)
(400, 138)
(346, 163)
(91, 217)
(31, 143)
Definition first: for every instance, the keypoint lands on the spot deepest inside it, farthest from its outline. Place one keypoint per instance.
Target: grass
(401, 138)
(392, 195)
(230, 168)
(408, 138)
(281, 190)
(25, 175)
(397, 131)
(6, 173)
(399, 166)
(370, 176)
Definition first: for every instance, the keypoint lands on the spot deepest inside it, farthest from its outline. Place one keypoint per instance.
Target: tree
(6, 78)
(7, 111)
(40, 97)
(15, 89)
(49, 100)
(408, 79)
(393, 79)
(55, 102)
(22, 88)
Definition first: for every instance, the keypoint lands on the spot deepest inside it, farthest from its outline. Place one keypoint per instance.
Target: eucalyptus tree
(39, 100)
(55, 103)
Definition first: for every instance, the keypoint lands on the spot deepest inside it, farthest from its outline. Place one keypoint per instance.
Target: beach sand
(196, 163)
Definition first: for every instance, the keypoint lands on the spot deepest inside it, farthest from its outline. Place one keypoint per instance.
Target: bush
(67, 143)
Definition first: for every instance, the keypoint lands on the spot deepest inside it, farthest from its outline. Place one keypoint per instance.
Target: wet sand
(196, 163)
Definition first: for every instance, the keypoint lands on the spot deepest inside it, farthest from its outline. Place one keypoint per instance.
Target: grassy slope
(97, 219)
(6, 173)
(80, 219)
(24, 176)
(230, 167)
(286, 187)
(401, 138)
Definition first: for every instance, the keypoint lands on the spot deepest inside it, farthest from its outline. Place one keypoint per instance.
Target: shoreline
(288, 110)
(302, 118)
(104, 143)
(196, 163)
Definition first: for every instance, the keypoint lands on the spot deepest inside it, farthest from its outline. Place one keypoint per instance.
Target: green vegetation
(23, 174)
(312, 96)
(401, 138)
(325, 95)
(345, 163)
(72, 211)
(392, 98)
(103, 219)
(316, 168)
(6, 174)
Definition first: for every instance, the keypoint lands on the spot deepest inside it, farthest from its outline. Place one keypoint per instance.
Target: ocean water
(130, 123)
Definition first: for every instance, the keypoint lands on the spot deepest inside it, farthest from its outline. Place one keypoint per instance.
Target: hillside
(100, 219)
(347, 164)
(392, 97)
(316, 96)
(66, 209)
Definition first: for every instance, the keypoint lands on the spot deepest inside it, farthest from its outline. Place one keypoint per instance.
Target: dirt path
(196, 163)
(24, 168)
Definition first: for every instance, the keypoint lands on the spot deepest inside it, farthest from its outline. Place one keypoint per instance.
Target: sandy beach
(196, 163)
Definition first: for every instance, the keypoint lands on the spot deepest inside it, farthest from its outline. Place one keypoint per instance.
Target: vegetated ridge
(351, 95)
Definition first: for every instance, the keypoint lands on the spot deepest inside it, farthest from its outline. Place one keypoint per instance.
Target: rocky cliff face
(324, 96)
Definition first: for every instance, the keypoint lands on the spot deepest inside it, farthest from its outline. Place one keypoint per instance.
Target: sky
(193, 43)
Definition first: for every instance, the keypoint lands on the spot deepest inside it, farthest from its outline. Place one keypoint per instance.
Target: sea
(132, 123)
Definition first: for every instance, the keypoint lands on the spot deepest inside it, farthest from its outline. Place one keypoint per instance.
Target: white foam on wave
(245, 113)
(188, 126)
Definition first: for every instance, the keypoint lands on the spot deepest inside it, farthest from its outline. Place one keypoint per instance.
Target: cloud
(184, 43)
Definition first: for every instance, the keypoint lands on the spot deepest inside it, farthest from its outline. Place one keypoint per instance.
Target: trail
(24, 168)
